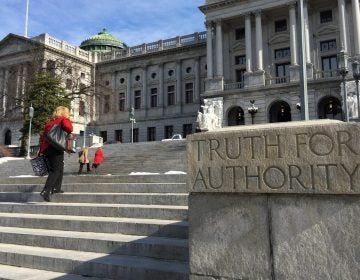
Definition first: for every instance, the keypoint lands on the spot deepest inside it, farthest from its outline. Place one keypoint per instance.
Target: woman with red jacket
(98, 158)
(55, 157)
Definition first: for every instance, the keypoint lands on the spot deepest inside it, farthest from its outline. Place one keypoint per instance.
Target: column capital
(292, 4)
(208, 23)
(218, 21)
(247, 15)
(257, 13)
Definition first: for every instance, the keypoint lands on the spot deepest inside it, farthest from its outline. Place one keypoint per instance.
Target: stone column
(209, 50)
(144, 89)
(129, 101)
(307, 37)
(178, 85)
(259, 41)
(115, 96)
(161, 87)
(248, 43)
(342, 25)
(197, 87)
(356, 24)
(293, 43)
(219, 50)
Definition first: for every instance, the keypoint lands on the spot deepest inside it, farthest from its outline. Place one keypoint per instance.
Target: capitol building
(248, 56)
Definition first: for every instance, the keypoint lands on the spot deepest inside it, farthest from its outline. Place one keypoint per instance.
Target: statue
(211, 116)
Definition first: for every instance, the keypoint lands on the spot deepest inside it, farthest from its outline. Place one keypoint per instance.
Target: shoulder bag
(40, 165)
(60, 139)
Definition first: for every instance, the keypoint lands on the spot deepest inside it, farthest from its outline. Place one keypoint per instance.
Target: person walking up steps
(83, 159)
(98, 159)
(55, 157)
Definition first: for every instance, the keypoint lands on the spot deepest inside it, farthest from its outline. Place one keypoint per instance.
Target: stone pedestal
(275, 201)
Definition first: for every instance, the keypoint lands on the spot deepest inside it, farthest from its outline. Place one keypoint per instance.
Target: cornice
(218, 5)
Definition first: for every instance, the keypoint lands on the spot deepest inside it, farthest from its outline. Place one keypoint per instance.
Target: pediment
(327, 29)
(239, 46)
(13, 44)
(279, 38)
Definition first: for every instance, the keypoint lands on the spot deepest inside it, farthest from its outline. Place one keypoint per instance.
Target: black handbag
(60, 139)
(40, 166)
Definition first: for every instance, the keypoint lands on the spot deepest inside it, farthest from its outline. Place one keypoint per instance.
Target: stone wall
(277, 201)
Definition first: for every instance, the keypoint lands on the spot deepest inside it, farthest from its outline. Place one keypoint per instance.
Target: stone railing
(63, 46)
(157, 46)
(160, 45)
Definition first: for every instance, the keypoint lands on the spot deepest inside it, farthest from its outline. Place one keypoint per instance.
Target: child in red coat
(98, 158)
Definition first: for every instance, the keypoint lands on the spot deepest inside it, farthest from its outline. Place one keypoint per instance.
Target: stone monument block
(275, 201)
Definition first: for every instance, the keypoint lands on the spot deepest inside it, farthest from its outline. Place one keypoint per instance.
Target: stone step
(73, 179)
(129, 226)
(154, 247)
(99, 210)
(115, 198)
(103, 187)
(92, 264)
(8, 272)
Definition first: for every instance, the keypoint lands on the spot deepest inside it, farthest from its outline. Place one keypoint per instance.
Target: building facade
(254, 52)
(249, 55)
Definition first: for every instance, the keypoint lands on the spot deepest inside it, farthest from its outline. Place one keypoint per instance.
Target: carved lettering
(252, 144)
(344, 137)
(276, 145)
(216, 176)
(236, 155)
(277, 175)
(214, 148)
(350, 174)
(321, 143)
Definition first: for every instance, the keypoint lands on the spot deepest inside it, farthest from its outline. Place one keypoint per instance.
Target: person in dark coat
(55, 157)
(98, 158)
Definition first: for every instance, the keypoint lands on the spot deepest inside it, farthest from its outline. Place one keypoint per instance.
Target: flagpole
(26, 18)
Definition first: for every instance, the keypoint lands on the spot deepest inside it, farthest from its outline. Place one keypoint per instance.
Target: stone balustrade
(156, 46)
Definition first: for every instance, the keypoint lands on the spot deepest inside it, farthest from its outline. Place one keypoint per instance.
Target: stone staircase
(102, 227)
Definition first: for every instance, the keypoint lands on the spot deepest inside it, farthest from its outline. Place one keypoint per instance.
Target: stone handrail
(156, 46)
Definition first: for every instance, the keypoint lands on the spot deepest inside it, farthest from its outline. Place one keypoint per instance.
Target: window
(171, 72)
(326, 16)
(106, 104)
(82, 86)
(329, 66)
(118, 135)
(239, 33)
(153, 75)
(68, 84)
(82, 75)
(168, 131)
(103, 134)
(50, 67)
(171, 95)
(189, 92)
(81, 133)
(69, 70)
(282, 73)
(122, 80)
(280, 25)
(151, 133)
(282, 53)
(188, 70)
(137, 99)
(121, 101)
(153, 97)
(81, 108)
(135, 135)
(240, 60)
(240, 77)
(137, 78)
(187, 129)
(107, 83)
(329, 45)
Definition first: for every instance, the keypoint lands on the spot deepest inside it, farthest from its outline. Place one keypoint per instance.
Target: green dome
(102, 42)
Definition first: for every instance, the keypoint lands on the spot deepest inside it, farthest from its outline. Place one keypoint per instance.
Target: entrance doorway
(329, 107)
(8, 137)
(236, 116)
(280, 112)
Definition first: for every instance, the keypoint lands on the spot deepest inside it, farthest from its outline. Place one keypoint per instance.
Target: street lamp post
(132, 120)
(31, 114)
(252, 110)
(343, 70)
(356, 75)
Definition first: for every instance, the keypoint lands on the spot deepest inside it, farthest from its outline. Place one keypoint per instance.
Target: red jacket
(99, 156)
(65, 124)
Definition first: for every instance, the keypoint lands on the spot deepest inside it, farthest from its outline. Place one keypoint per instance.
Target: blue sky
(133, 22)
